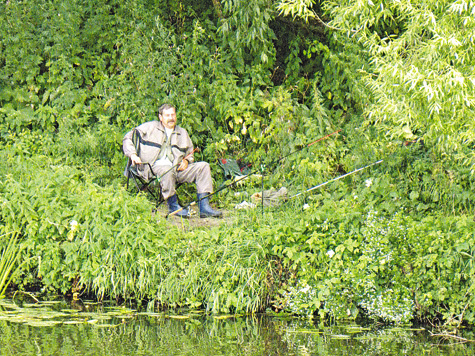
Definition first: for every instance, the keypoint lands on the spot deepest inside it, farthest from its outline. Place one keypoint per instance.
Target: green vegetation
(251, 80)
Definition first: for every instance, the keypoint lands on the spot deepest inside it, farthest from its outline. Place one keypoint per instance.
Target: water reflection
(55, 330)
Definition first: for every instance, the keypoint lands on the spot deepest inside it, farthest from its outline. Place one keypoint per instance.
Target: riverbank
(335, 258)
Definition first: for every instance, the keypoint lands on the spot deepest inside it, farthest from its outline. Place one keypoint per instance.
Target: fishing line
(335, 179)
(253, 172)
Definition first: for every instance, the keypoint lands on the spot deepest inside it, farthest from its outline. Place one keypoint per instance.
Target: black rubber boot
(207, 211)
(174, 206)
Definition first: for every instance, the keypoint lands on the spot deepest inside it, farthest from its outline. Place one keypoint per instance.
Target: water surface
(56, 328)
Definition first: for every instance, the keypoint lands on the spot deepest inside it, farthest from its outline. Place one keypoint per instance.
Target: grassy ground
(229, 217)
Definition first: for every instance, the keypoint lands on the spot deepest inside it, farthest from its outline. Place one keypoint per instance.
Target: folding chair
(144, 185)
(141, 183)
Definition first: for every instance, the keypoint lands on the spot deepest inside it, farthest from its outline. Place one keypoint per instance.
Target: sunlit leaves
(423, 55)
(296, 8)
(245, 28)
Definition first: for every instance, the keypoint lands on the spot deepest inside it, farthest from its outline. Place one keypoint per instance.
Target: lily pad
(179, 316)
(16, 320)
(45, 314)
(340, 336)
(33, 305)
(9, 312)
(125, 316)
(74, 321)
(156, 315)
(122, 310)
(43, 323)
(357, 328)
(224, 316)
(303, 331)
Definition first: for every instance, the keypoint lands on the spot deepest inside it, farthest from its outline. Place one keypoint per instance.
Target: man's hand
(183, 165)
(135, 159)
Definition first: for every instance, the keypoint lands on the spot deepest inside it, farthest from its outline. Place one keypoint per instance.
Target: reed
(8, 260)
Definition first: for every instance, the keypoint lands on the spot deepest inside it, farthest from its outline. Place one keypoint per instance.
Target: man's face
(168, 118)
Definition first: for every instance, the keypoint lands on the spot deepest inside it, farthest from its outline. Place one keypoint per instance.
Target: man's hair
(165, 107)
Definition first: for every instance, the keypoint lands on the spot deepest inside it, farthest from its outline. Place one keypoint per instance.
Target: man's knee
(203, 166)
(169, 178)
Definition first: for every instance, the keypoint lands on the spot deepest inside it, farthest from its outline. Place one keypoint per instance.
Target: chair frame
(143, 185)
(140, 183)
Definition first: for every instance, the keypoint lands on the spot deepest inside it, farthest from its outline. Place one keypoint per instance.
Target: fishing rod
(176, 165)
(210, 194)
(281, 159)
(246, 176)
(335, 179)
(145, 185)
(307, 145)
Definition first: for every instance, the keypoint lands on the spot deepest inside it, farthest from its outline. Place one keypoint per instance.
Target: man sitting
(164, 145)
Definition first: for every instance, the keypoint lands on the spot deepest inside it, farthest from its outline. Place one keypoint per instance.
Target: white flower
(73, 228)
(330, 253)
(74, 225)
(368, 182)
(306, 206)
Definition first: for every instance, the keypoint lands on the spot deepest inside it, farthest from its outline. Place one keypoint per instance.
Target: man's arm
(129, 148)
(190, 158)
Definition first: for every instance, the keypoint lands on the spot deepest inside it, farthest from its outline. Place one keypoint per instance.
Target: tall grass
(222, 270)
(8, 260)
